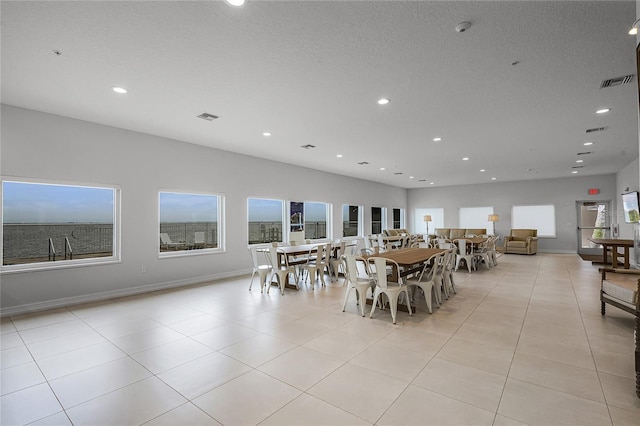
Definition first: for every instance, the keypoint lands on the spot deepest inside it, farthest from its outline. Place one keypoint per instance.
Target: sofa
(395, 232)
(453, 233)
(522, 241)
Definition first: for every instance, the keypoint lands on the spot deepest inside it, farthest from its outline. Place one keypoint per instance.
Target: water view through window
(48, 222)
(188, 221)
(266, 218)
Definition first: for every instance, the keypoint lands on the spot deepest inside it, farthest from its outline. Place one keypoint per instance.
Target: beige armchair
(523, 241)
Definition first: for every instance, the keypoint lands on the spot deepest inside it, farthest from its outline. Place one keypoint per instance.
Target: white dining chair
(261, 269)
(281, 271)
(392, 290)
(358, 280)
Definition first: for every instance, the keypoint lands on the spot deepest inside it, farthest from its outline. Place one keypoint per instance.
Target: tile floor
(523, 343)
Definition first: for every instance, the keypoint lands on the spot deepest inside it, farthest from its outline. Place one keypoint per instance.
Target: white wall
(563, 193)
(627, 180)
(49, 147)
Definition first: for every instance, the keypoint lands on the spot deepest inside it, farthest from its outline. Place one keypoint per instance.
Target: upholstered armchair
(523, 241)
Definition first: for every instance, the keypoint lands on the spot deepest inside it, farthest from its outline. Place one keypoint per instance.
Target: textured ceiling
(311, 73)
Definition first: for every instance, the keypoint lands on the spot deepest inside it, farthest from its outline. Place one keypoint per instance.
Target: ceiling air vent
(577, 167)
(618, 81)
(397, 173)
(363, 163)
(308, 146)
(585, 153)
(596, 129)
(207, 116)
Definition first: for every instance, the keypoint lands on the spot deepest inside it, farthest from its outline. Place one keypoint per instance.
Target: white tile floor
(523, 343)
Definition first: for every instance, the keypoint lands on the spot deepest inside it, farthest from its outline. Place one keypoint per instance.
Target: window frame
(327, 213)
(65, 263)
(483, 218)
(220, 226)
(285, 212)
(401, 221)
(360, 225)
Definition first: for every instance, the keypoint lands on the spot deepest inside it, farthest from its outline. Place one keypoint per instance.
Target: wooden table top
(612, 241)
(474, 240)
(409, 256)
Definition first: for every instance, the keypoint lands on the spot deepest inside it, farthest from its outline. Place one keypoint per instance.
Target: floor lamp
(427, 219)
(493, 218)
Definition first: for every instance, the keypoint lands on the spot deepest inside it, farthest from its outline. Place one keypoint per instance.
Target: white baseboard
(106, 295)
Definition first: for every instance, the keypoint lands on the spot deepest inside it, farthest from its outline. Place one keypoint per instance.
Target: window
(43, 223)
(315, 220)
(475, 217)
(398, 218)
(437, 220)
(541, 217)
(378, 219)
(351, 220)
(189, 222)
(266, 220)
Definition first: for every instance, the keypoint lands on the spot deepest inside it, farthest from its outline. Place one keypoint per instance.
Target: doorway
(594, 221)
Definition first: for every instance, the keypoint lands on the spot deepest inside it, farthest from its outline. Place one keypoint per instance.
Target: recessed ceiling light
(587, 143)
(493, 178)
(266, 134)
(574, 172)
(603, 110)
(431, 183)
(381, 168)
(482, 170)
(579, 161)
(339, 155)
(120, 90)
(465, 158)
(410, 177)
(235, 3)
(437, 139)
(383, 101)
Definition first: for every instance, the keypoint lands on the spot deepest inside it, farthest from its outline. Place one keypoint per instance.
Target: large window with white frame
(398, 218)
(265, 220)
(190, 223)
(378, 220)
(47, 224)
(351, 220)
(475, 217)
(437, 220)
(316, 219)
(541, 217)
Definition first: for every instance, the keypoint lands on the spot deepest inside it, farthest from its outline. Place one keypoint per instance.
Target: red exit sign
(594, 191)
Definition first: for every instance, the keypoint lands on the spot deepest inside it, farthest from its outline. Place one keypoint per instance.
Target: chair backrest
(164, 238)
(275, 259)
(462, 247)
(351, 267)
(253, 252)
(380, 272)
(198, 237)
(522, 234)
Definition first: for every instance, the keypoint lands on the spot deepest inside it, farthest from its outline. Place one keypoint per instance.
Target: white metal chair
(392, 290)
(316, 265)
(279, 270)
(464, 253)
(357, 279)
(261, 269)
(449, 265)
(336, 259)
(482, 255)
(426, 281)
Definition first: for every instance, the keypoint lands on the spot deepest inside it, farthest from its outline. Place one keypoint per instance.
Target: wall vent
(596, 129)
(618, 81)
(207, 116)
(308, 146)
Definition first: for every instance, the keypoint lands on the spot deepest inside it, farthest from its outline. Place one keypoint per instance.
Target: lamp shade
(493, 218)
(427, 218)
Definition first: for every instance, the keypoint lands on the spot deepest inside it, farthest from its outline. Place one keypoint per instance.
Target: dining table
(613, 244)
(411, 260)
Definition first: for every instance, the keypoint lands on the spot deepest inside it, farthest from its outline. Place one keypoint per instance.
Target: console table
(614, 243)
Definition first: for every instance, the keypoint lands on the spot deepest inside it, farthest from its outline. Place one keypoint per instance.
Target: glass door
(593, 222)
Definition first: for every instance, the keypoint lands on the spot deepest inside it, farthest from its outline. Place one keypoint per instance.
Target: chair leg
(362, 296)
(346, 299)
(406, 294)
(393, 305)
(427, 299)
(252, 275)
(373, 305)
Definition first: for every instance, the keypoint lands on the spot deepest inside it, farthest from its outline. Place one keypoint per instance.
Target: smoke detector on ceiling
(463, 26)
